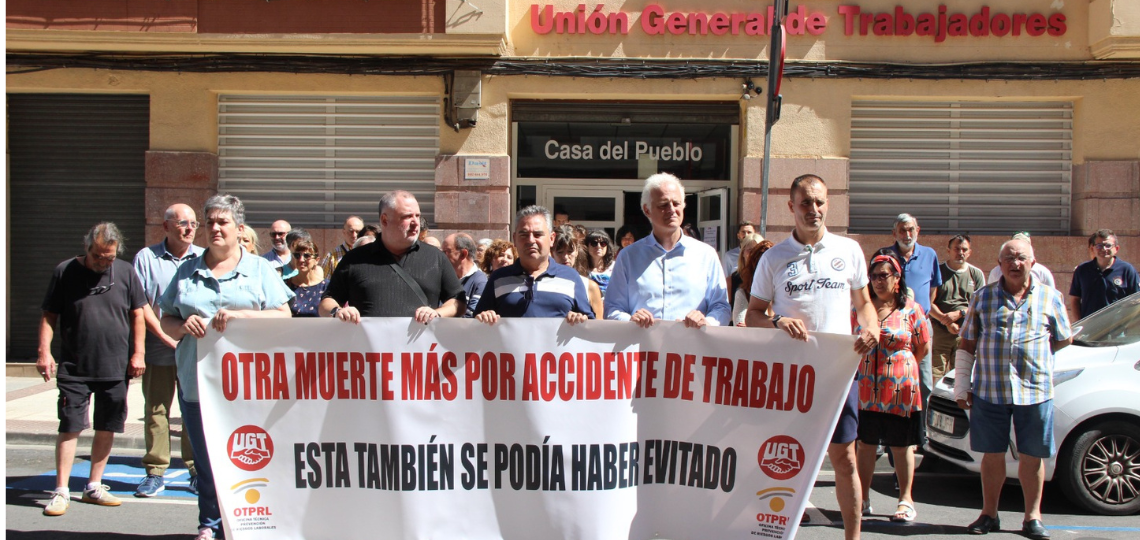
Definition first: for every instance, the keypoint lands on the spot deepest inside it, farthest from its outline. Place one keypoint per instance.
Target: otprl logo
(781, 457)
(775, 497)
(250, 448)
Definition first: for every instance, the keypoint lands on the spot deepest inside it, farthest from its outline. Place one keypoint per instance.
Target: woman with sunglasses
(567, 251)
(309, 282)
(224, 283)
(601, 252)
(889, 402)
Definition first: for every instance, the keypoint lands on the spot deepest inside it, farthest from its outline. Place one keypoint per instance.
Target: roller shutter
(74, 160)
(315, 160)
(977, 167)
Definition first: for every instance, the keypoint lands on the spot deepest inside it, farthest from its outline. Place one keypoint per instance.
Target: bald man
(1011, 331)
(156, 266)
(353, 227)
(279, 256)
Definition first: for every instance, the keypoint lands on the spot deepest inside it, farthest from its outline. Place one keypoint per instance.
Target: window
(315, 160)
(977, 167)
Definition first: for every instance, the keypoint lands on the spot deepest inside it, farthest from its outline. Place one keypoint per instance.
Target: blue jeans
(209, 513)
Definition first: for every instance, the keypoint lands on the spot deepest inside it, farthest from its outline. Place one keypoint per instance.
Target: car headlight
(1067, 375)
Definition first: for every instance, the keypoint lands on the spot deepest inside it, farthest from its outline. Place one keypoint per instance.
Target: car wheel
(1100, 470)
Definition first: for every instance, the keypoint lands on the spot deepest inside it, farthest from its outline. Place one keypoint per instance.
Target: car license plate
(942, 422)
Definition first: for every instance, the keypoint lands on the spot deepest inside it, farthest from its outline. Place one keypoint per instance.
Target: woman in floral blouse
(889, 401)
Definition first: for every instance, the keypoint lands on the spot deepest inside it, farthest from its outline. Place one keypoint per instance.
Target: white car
(1096, 415)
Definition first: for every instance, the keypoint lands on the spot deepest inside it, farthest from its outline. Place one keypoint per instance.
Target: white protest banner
(530, 428)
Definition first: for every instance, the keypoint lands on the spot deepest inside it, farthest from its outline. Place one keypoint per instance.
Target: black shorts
(890, 429)
(75, 398)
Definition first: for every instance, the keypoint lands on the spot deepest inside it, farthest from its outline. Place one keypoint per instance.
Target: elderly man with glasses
(279, 256)
(97, 304)
(1004, 373)
(156, 266)
(1103, 280)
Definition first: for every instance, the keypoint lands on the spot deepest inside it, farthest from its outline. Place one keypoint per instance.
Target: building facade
(986, 118)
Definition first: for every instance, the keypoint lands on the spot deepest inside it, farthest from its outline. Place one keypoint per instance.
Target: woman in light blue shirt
(223, 284)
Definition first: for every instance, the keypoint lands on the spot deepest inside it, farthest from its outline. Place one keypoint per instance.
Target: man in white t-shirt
(811, 281)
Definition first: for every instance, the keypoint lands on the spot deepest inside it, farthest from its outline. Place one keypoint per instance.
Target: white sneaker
(100, 495)
(205, 534)
(58, 504)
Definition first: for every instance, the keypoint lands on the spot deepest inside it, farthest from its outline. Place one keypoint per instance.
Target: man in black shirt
(97, 302)
(396, 276)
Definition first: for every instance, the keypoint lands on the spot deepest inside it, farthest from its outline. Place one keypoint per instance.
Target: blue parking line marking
(122, 477)
(1089, 528)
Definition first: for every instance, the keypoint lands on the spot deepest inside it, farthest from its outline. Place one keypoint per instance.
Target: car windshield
(1117, 324)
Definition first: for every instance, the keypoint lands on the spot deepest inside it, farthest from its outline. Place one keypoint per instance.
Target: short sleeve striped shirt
(1014, 356)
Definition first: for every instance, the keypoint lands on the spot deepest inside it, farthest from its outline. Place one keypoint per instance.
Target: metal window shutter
(74, 160)
(315, 160)
(977, 167)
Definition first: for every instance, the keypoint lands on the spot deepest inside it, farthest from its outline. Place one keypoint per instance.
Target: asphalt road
(947, 500)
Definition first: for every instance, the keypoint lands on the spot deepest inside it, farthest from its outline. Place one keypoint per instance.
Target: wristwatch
(333, 312)
(776, 318)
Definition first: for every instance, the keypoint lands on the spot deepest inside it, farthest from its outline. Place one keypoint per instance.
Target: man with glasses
(535, 285)
(1003, 372)
(97, 304)
(1040, 273)
(460, 250)
(667, 275)
(1102, 280)
(278, 256)
(353, 226)
(156, 266)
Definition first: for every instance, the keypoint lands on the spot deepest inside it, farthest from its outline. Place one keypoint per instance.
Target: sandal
(905, 512)
(867, 511)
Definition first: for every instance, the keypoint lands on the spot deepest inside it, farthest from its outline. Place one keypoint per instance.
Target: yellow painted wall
(815, 119)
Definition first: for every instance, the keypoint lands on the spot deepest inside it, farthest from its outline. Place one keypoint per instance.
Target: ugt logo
(781, 457)
(250, 448)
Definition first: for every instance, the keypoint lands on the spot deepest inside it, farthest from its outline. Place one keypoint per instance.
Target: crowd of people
(913, 318)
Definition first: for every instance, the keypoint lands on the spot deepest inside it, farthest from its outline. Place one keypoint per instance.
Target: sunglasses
(304, 256)
(597, 243)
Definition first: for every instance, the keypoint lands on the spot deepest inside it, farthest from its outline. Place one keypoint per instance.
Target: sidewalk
(31, 412)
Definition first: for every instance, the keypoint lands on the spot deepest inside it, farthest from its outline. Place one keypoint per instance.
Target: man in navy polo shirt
(920, 265)
(535, 285)
(1102, 280)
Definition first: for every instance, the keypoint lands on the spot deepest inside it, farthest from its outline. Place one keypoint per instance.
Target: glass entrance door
(591, 208)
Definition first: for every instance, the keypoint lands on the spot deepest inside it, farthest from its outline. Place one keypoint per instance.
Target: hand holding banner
(528, 428)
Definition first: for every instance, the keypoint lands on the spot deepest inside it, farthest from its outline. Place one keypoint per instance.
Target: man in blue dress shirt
(920, 265)
(535, 285)
(667, 275)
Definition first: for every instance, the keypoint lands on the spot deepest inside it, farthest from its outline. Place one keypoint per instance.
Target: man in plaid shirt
(1012, 329)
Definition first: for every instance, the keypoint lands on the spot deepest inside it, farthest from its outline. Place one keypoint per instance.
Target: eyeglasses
(94, 291)
(880, 276)
(304, 256)
(103, 258)
(1105, 245)
(184, 223)
(354, 231)
(275, 233)
(1019, 258)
